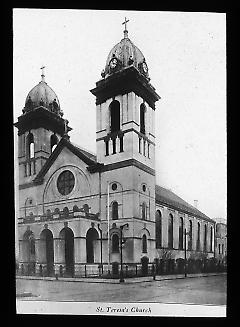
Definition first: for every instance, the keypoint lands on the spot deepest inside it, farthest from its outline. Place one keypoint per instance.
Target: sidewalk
(116, 281)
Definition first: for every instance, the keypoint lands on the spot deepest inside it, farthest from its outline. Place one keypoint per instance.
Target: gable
(83, 155)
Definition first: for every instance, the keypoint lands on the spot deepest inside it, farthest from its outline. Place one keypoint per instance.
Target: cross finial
(125, 30)
(42, 68)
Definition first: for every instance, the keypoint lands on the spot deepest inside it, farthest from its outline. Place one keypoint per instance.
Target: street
(197, 290)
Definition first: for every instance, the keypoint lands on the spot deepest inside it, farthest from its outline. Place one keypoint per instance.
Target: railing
(57, 216)
(165, 267)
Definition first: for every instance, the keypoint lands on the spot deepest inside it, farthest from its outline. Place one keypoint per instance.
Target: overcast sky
(186, 56)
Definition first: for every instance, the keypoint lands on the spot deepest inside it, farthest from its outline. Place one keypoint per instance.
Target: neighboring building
(221, 241)
(67, 195)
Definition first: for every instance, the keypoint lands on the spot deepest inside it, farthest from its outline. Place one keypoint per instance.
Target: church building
(81, 212)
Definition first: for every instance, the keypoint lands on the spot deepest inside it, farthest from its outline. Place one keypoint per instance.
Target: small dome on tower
(123, 55)
(42, 95)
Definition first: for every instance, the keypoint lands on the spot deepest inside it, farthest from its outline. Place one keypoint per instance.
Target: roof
(167, 197)
(88, 154)
(42, 95)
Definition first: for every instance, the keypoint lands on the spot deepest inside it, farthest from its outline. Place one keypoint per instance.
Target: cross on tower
(125, 23)
(42, 68)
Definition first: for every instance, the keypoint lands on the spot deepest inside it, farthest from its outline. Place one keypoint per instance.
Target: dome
(42, 95)
(123, 55)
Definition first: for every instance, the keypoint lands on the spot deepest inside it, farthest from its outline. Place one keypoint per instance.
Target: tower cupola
(42, 95)
(123, 55)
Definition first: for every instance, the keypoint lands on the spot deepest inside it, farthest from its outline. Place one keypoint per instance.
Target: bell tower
(125, 107)
(125, 137)
(40, 128)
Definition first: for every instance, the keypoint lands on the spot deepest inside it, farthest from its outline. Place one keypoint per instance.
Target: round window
(114, 186)
(65, 182)
(144, 188)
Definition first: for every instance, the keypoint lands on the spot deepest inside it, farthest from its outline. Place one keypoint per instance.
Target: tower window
(54, 142)
(121, 144)
(139, 145)
(114, 146)
(142, 118)
(115, 210)
(149, 150)
(144, 148)
(107, 147)
(30, 146)
(144, 244)
(115, 243)
(115, 116)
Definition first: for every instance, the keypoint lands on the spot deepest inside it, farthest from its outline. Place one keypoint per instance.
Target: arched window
(54, 142)
(219, 248)
(190, 236)
(144, 244)
(30, 146)
(211, 239)
(181, 233)
(115, 116)
(32, 244)
(222, 249)
(205, 238)
(115, 243)
(198, 237)
(144, 211)
(170, 231)
(142, 118)
(158, 230)
(115, 210)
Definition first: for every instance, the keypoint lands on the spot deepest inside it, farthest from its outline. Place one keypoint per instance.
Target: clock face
(145, 67)
(113, 63)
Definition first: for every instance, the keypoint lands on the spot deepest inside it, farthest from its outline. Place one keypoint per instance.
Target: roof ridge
(82, 148)
(177, 202)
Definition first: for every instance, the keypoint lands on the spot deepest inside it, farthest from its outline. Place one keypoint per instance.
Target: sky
(186, 56)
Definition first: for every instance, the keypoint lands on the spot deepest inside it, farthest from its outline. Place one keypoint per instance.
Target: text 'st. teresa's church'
(75, 206)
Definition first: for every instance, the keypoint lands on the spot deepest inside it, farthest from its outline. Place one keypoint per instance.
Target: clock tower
(125, 137)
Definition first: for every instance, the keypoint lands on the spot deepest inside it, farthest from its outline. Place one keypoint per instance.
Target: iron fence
(160, 267)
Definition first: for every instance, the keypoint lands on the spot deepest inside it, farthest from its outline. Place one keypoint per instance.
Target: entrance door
(91, 237)
(67, 235)
(47, 239)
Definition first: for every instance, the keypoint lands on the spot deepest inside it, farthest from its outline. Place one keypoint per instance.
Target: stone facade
(73, 203)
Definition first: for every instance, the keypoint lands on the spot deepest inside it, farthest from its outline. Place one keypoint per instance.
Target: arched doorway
(144, 262)
(29, 251)
(46, 237)
(67, 237)
(91, 237)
